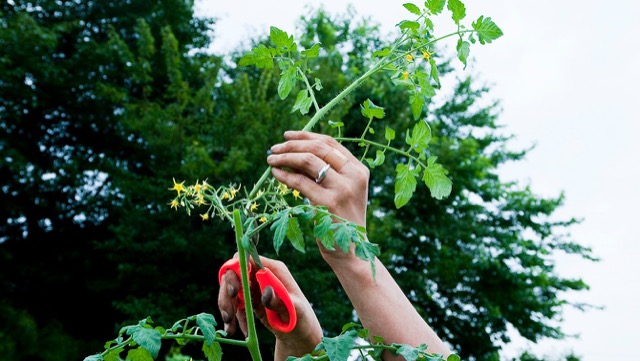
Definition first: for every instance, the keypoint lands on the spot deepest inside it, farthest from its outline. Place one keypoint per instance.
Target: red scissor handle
(266, 278)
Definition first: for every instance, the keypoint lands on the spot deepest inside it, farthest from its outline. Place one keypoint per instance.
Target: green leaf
(260, 56)
(207, 324)
(420, 136)
(487, 30)
(406, 24)
(453, 357)
(382, 53)
(287, 81)
(435, 177)
(434, 71)
(97, 357)
(213, 352)
(312, 52)
(370, 110)
(367, 251)
(405, 184)
(458, 12)
(317, 84)
(139, 354)
(435, 6)
(294, 234)
(114, 354)
(280, 37)
(389, 134)
(339, 347)
(322, 230)
(342, 233)
(412, 8)
(303, 102)
(334, 124)
(410, 353)
(147, 338)
(378, 161)
(279, 227)
(417, 102)
(463, 48)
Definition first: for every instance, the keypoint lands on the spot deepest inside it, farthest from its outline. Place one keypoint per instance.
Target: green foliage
(102, 104)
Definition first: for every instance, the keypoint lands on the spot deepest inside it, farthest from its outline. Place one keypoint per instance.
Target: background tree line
(103, 103)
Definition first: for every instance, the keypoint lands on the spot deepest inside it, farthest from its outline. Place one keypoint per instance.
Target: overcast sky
(567, 74)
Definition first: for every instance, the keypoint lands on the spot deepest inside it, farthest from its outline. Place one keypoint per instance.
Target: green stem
(383, 146)
(252, 338)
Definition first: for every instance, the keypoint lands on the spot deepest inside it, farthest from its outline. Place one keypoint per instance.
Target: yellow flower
(205, 216)
(263, 219)
(426, 54)
(174, 203)
(253, 207)
(179, 187)
(409, 57)
(296, 194)
(199, 199)
(405, 75)
(233, 192)
(260, 192)
(197, 187)
(283, 188)
(225, 195)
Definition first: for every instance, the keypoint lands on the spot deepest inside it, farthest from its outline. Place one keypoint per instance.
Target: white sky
(566, 72)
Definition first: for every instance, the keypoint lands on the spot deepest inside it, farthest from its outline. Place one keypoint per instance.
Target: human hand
(307, 332)
(344, 190)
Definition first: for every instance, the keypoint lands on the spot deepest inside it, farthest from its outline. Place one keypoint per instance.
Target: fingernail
(231, 291)
(225, 317)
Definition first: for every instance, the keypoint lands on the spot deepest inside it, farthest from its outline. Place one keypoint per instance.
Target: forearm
(382, 306)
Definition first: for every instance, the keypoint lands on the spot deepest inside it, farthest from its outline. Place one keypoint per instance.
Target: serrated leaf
(434, 71)
(367, 251)
(213, 352)
(114, 354)
(405, 184)
(435, 177)
(382, 53)
(139, 354)
(339, 347)
(378, 161)
(280, 37)
(435, 6)
(303, 102)
(420, 136)
(287, 81)
(406, 24)
(279, 227)
(463, 48)
(417, 102)
(207, 324)
(322, 230)
(317, 84)
(342, 235)
(260, 56)
(147, 338)
(312, 52)
(295, 235)
(370, 110)
(412, 8)
(486, 29)
(410, 353)
(458, 11)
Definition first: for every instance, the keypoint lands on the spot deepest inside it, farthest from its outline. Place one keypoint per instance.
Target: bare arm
(381, 305)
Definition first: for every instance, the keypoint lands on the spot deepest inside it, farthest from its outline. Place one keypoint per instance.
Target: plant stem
(252, 337)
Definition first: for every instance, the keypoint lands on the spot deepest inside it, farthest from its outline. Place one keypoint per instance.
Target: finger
(307, 163)
(228, 299)
(322, 138)
(313, 151)
(312, 190)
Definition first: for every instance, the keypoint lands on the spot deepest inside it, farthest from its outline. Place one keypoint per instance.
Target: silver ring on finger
(323, 173)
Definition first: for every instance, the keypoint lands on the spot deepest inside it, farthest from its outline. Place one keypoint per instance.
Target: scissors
(265, 278)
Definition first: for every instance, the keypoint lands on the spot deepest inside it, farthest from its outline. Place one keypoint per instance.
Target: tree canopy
(103, 104)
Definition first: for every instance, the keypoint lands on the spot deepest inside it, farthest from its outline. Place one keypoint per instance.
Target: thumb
(271, 301)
